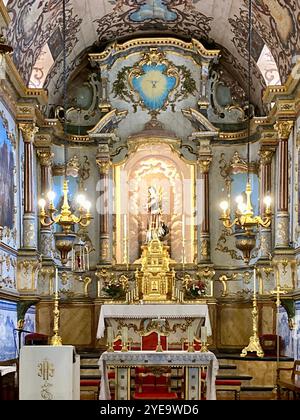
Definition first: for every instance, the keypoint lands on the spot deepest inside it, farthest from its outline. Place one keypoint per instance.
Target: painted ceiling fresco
(36, 35)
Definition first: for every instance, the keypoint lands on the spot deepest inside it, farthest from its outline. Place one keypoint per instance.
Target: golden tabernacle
(150, 199)
(155, 279)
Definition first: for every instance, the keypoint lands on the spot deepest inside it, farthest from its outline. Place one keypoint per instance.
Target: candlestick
(109, 334)
(126, 243)
(183, 241)
(56, 339)
(56, 281)
(124, 339)
(254, 343)
(204, 345)
(110, 339)
(203, 334)
(190, 339)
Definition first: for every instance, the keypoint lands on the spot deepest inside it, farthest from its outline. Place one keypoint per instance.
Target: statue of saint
(156, 228)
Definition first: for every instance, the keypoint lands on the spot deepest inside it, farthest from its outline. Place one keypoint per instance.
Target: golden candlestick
(159, 348)
(191, 348)
(254, 344)
(124, 348)
(56, 339)
(204, 347)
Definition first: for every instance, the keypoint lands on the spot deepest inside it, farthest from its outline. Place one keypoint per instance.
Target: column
(104, 163)
(29, 217)
(282, 215)
(266, 157)
(203, 102)
(203, 209)
(46, 236)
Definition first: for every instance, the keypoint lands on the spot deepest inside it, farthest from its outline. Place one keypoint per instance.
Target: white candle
(125, 227)
(109, 335)
(203, 334)
(190, 335)
(183, 227)
(56, 280)
(125, 335)
(254, 281)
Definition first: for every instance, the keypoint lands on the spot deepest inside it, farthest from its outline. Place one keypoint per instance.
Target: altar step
(250, 393)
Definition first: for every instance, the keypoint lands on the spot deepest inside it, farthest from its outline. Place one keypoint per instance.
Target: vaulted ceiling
(36, 34)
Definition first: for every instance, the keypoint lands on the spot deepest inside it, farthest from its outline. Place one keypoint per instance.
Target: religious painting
(153, 10)
(8, 321)
(7, 164)
(299, 189)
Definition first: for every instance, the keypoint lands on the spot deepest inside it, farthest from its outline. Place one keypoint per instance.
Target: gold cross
(278, 291)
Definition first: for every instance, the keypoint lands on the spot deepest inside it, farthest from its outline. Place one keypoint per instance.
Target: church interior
(149, 199)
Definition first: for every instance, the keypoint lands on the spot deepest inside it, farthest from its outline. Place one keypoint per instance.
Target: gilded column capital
(284, 128)
(266, 157)
(204, 165)
(103, 158)
(45, 157)
(103, 165)
(28, 131)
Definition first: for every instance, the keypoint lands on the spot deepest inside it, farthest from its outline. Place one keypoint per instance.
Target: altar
(192, 363)
(140, 319)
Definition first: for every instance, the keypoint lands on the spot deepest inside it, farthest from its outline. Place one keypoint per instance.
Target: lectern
(49, 373)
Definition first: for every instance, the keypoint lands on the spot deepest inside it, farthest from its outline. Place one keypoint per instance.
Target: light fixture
(245, 222)
(65, 219)
(80, 256)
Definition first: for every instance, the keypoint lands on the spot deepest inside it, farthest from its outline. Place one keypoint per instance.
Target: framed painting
(7, 177)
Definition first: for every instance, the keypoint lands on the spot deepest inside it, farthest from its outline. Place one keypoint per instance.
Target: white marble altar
(151, 311)
(193, 362)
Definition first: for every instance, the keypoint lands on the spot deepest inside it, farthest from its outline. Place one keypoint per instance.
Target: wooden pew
(8, 382)
(292, 384)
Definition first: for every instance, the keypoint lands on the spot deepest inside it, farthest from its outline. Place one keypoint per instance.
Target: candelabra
(65, 219)
(245, 222)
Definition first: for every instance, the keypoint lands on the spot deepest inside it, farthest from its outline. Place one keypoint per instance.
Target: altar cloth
(153, 311)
